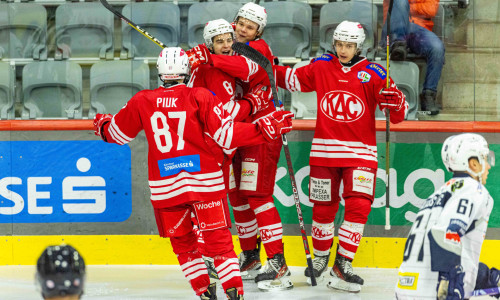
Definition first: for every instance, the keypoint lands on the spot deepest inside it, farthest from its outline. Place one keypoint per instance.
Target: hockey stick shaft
(388, 131)
(489, 291)
(264, 63)
(132, 24)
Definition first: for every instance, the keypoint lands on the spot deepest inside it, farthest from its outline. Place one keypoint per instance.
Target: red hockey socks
(246, 223)
(228, 269)
(191, 262)
(323, 227)
(350, 235)
(270, 227)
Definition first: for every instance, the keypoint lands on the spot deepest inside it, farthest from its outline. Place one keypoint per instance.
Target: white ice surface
(167, 282)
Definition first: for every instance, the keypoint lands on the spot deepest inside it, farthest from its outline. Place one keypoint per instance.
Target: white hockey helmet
(214, 28)
(351, 32)
(458, 149)
(254, 13)
(173, 64)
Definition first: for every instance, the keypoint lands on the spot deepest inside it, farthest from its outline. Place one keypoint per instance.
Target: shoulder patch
(378, 69)
(324, 57)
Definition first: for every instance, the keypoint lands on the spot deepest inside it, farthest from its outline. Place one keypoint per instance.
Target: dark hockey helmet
(60, 271)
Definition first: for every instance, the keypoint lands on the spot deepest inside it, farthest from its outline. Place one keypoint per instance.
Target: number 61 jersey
(449, 230)
(176, 121)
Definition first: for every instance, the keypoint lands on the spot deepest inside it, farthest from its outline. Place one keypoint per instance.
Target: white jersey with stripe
(177, 121)
(448, 230)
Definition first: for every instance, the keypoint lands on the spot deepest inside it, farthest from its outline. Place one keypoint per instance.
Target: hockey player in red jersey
(183, 174)
(254, 167)
(219, 37)
(344, 148)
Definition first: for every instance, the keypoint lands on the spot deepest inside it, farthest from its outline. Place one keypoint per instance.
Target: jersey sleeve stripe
(182, 175)
(117, 134)
(291, 81)
(224, 135)
(252, 68)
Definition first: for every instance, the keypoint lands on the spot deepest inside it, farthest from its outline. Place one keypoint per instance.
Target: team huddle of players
(214, 133)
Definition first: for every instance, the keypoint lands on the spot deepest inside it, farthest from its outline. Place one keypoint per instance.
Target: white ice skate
(275, 276)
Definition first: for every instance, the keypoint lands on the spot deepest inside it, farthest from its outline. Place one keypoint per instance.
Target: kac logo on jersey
(172, 166)
(364, 76)
(342, 106)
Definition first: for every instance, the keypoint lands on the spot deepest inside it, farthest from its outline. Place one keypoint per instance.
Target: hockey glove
(451, 284)
(258, 97)
(275, 124)
(99, 121)
(391, 98)
(199, 55)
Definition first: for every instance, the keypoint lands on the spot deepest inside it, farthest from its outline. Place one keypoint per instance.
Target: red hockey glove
(199, 55)
(259, 97)
(99, 121)
(391, 98)
(275, 124)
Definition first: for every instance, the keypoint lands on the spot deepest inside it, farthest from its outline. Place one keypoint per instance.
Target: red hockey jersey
(181, 166)
(249, 72)
(345, 126)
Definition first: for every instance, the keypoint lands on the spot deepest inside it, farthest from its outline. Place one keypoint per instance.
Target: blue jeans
(420, 41)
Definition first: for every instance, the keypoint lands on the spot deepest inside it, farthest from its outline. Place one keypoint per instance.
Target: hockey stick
(264, 63)
(132, 24)
(489, 291)
(388, 132)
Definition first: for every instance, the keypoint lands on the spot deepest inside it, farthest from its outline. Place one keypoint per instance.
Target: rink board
(376, 252)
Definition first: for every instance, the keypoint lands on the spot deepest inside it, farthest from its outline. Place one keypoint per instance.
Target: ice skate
(275, 275)
(232, 294)
(320, 265)
(343, 277)
(211, 293)
(212, 272)
(250, 264)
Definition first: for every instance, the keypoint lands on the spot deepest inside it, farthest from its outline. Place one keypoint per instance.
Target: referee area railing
(305, 125)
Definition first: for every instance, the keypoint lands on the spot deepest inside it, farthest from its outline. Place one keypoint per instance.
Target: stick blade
(251, 53)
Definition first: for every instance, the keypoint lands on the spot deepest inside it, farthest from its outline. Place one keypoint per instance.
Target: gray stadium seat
(113, 83)
(84, 30)
(304, 105)
(7, 79)
(23, 31)
(332, 14)
(200, 13)
(405, 74)
(52, 89)
(289, 28)
(160, 19)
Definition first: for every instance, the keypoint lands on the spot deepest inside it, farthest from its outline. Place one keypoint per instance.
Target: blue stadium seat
(23, 31)
(289, 28)
(113, 83)
(52, 89)
(7, 79)
(84, 30)
(160, 19)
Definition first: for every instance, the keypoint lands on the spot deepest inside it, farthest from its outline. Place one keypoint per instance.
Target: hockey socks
(194, 270)
(350, 235)
(270, 227)
(229, 271)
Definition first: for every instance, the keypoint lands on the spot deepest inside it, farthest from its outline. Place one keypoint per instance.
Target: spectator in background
(411, 28)
(60, 273)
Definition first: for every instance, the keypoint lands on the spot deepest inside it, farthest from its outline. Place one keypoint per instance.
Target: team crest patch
(378, 70)
(364, 76)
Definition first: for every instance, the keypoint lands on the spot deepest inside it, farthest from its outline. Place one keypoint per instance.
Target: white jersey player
(442, 251)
